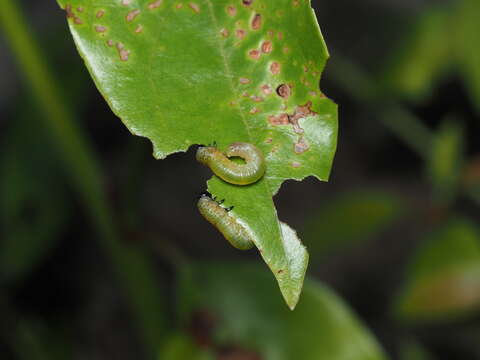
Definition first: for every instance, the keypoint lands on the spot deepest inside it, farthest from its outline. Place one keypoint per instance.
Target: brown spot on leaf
(110, 42)
(132, 15)
(267, 47)
(231, 10)
(254, 54)
(280, 271)
(281, 119)
(275, 68)
(155, 4)
(286, 49)
(240, 33)
(247, 2)
(244, 81)
(295, 3)
(300, 113)
(284, 91)
(179, 6)
(256, 98)
(269, 140)
(195, 7)
(100, 29)
(257, 22)
(254, 110)
(139, 29)
(100, 13)
(267, 90)
(80, 9)
(68, 10)
(296, 164)
(224, 32)
(125, 2)
(122, 52)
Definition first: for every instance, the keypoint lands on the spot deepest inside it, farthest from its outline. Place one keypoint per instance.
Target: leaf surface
(204, 71)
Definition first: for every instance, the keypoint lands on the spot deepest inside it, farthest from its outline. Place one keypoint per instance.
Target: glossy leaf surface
(198, 72)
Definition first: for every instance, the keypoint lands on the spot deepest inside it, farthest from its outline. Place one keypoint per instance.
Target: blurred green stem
(405, 125)
(399, 120)
(132, 266)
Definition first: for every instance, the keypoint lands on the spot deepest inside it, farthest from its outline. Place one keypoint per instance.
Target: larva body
(231, 229)
(229, 171)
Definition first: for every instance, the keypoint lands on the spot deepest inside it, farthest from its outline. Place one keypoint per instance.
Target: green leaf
(467, 28)
(204, 71)
(33, 210)
(248, 316)
(446, 160)
(423, 57)
(350, 219)
(443, 280)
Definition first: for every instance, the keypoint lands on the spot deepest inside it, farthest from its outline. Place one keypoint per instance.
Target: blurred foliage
(33, 213)
(412, 350)
(444, 39)
(446, 161)
(181, 347)
(350, 219)
(236, 303)
(443, 280)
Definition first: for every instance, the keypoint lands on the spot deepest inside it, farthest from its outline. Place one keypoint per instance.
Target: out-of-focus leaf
(443, 280)
(33, 206)
(446, 160)
(467, 28)
(247, 315)
(412, 350)
(350, 219)
(219, 71)
(423, 57)
(32, 339)
(181, 347)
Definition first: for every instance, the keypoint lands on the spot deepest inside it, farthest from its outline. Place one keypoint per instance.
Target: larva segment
(229, 171)
(225, 222)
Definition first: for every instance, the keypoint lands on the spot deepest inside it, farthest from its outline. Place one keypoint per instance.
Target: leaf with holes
(196, 72)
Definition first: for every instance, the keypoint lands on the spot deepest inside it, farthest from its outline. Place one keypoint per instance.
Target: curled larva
(229, 171)
(226, 223)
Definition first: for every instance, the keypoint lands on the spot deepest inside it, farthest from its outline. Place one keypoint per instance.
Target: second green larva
(225, 222)
(229, 171)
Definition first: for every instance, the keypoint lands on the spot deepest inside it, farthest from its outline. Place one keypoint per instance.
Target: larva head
(205, 153)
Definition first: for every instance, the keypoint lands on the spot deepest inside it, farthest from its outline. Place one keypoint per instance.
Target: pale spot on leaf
(132, 15)
(195, 7)
(275, 68)
(155, 4)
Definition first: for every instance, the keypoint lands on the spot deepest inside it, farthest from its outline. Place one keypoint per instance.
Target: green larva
(229, 171)
(226, 223)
